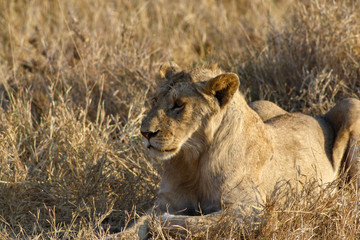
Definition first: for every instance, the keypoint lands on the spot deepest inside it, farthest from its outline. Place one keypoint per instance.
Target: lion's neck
(238, 137)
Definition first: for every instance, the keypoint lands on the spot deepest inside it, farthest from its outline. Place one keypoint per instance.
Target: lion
(219, 152)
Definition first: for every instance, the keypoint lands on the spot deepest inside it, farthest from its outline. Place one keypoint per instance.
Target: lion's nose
(149, 135)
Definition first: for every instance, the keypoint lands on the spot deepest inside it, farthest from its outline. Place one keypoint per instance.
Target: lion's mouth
(161, 150)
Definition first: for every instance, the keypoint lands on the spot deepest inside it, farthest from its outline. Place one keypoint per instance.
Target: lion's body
(217, 150)
(246, 159)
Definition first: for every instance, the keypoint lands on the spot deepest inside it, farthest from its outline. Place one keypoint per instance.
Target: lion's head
(183, 106)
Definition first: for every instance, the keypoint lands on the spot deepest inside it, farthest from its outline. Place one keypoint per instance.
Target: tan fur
(216, 150)
(266, 109)
(345, 120)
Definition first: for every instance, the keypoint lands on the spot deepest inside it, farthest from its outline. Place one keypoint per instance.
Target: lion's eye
(178, 105)
(154, 100)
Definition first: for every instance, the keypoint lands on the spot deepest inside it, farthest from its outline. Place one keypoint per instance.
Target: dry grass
(74, 79)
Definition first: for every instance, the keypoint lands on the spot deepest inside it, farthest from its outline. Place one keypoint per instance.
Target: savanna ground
(74, 81)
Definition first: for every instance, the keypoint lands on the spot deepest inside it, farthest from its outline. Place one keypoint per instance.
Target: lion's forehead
(179, 91)
(193, 76)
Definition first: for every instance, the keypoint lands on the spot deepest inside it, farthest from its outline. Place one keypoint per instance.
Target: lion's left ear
(223, 87)
(168, 69)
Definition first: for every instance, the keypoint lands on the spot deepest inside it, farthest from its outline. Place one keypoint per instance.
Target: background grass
(74, 76)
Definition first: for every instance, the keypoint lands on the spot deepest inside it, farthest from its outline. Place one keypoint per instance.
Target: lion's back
(303, 147)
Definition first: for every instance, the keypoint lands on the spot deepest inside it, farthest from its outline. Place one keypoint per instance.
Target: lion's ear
(223, 87)
(168, 69)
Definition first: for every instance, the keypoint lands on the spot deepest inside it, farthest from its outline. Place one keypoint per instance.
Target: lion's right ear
(168, 69)
(223, 87)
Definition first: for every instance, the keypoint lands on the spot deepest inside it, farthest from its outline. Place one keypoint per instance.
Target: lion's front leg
(169, 223)
(140, 228)
(137, 230)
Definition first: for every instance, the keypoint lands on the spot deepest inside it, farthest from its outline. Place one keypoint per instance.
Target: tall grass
(74, 76)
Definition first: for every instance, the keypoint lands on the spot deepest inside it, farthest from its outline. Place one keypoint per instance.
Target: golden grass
(74, 79)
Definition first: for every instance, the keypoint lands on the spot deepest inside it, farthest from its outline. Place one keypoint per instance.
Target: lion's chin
(162, 154)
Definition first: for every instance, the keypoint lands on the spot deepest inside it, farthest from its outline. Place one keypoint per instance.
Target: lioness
(217, 151)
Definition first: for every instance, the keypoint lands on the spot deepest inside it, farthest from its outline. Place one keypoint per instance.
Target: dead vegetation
(74, 79)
